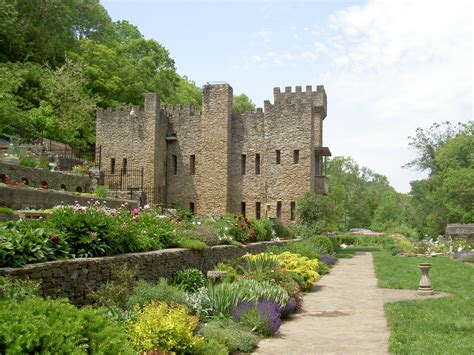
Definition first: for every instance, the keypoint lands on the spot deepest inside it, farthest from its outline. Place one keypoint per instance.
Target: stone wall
(74, 278)
(465, 231)
(56, 180)
(19, 198)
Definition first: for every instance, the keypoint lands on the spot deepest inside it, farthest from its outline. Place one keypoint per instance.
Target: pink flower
(113, 213)
(93, 234)
(135, 211)
(146, 207)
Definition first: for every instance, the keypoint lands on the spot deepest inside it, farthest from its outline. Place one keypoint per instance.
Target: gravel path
(343, 316)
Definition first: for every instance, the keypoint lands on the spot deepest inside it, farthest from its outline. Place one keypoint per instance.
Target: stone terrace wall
(74, 278)
(461, 231)
(26, 198)
(54, 179)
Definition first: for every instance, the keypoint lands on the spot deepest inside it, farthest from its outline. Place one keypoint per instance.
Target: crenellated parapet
(317, 97)
(181, 110)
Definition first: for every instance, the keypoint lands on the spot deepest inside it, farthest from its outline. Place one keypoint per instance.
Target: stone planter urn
(424, 287)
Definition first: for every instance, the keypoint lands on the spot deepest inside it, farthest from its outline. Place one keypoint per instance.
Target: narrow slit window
(317, 165)
(243, 163)
(191, 207)
(278, 209)
(257, 164)
(278, 156)
(242, 208)
(175, 164)
(292, 210)
(112, 166)
(124, 166)
(257, 210)
(192, 164)
(296, 156)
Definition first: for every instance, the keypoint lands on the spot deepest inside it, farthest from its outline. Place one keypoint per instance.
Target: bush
(405, 245)
(57, 327)
(146, 292)
(323, 244)
(162, 327)
(199, 303)
(15, 289)
(234, 336)
(190, 279)
(305, 247)
(205, 233)
(26, 241)
(408, 232)
(282, 231)
(6, 210)
(263, 229)
(192, 244)
(231, 271)
(102, 191)
(263, 316)
(328, 259)
(323, 269)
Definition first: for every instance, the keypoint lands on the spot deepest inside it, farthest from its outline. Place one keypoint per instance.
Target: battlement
(317, 98)
(138, 111)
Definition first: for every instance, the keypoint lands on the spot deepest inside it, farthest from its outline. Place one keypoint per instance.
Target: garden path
(344, 315)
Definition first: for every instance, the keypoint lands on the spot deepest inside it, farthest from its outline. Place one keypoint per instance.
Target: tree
(243, 103)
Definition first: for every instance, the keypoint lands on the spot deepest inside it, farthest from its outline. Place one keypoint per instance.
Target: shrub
(405, 245)
(15, 289)
(323, 269)
(115, 293)
(211, 346)
(192, 244)
(305, 247)
(205, 233)
(323, 244)
(263, 316)
(6, 210)
(162, 327)
(102, 191)
(146, 292)
(46, 326)
(328, 259)
(231, 271)
(290, 308)
(189, 279)
(27, 241)
(234, 336)
(282, 231)
(263, 229)
(199, 303)
(408, 232)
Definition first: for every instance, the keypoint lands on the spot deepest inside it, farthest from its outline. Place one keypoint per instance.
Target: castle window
(257, 210)
(243, 163)
(296, 156)
(292, 210)
(124, 166)
(191, 207)
(175, 164)
(242, 208)
(112, 166)
(192, 164)
(278, 209)
(278, 156)
(257, 164)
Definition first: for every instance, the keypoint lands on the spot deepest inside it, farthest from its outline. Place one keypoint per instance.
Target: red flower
(179, 219)
(243, 228)
(54, 240)
(240, 218)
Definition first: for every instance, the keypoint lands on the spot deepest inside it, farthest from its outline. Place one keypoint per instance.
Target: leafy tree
(243, 103)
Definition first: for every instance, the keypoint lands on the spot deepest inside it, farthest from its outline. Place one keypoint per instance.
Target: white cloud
(265, 35)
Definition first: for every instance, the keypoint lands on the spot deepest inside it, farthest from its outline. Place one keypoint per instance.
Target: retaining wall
(56, 180)
(19, 198)
(75, 278)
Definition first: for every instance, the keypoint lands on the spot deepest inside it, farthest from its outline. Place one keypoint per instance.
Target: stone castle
(217, 161)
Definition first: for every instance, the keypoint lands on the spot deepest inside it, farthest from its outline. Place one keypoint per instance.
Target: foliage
(443, 325)
(205, 233)
(305, 247)
(189, 280)
(231, 271)
(262, 230)
(328, 259)
(115, 293)
(146, 292)
(263, 316)
(234, 336)
(17, 289)
(6, 210)
(199, 303)
(282, 231)
(102, 191)
(322, 244)
(162, 327)
(323, 269)
(24, 242)
(242, 103)
(35, 325)
(192, 244)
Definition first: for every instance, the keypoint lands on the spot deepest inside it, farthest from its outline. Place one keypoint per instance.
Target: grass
(436, 326)
(350, 251)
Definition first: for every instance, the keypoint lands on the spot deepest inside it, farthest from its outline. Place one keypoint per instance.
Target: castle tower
(214, 163)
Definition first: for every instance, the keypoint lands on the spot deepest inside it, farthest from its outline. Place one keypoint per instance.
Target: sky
(387, 66)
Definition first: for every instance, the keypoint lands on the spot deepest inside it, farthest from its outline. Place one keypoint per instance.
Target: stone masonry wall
(55, 179)
(27, 198)
(185, 122)
(214, 167)
(75, 278)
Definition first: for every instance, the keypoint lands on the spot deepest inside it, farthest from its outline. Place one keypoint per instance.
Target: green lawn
(437, 326)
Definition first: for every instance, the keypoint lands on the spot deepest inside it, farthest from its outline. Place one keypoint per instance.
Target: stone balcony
(320, 185)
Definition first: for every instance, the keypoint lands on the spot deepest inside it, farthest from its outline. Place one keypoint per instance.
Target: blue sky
(388, 67)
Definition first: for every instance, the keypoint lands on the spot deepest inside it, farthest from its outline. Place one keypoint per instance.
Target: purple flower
(269, 312)
(328, 259)
(289, 308)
